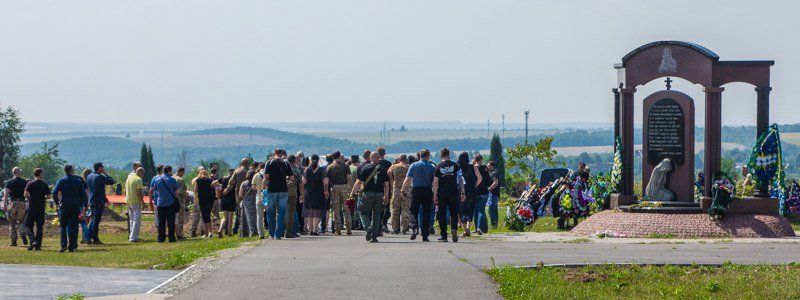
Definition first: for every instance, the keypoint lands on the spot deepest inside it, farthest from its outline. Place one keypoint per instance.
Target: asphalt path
(349, 267)
(48, 282)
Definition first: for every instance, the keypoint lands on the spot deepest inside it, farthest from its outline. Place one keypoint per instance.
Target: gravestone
(669, 133)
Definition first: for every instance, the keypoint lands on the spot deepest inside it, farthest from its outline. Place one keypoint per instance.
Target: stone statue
(656, 189)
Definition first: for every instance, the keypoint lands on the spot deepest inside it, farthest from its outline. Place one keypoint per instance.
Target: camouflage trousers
(339, 194)
(181, 218)
(401, 211)
(16, 219)
(197, 219)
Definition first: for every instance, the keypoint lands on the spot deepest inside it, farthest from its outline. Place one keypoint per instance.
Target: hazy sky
(241, 61)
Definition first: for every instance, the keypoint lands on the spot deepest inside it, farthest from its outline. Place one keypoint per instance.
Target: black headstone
(665, 132)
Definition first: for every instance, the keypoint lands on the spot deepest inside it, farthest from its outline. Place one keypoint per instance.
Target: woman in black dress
(314, 207)
(204, 192)
(469, 174)
(228, 207)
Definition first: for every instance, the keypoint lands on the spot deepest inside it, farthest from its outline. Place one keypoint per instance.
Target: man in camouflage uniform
(14, 205)
(337, 174)
(183, 216)
(401, 204)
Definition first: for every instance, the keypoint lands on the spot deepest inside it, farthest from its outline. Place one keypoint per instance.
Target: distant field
(791, 138)
(420, 135)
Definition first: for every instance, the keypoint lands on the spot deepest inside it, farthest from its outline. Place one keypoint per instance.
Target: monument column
(616, 113)
(626, 136)
(713, 135)
(762, 122)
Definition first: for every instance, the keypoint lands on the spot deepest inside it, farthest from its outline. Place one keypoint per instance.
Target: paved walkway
(48, 282)
(348, 267)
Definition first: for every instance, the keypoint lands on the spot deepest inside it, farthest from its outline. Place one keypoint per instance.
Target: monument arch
(698, 65)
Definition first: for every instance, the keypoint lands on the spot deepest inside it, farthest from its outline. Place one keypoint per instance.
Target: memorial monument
(668, 147)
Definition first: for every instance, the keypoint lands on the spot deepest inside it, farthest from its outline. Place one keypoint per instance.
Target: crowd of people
(285, 196)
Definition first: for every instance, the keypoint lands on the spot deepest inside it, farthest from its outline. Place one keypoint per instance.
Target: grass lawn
(543, 224)
(119, 253)
(650, 282)
(795, 221)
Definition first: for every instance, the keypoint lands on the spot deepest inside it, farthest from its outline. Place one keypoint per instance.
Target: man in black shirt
(37, 192)
(375, 192)
(385, 165)
(448, 192)
(276, 172)
(14, 205)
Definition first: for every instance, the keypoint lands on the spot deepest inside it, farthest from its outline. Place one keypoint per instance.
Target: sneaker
(425, 239)
(442, 239)
(414, 234)
(396, 232)
(479, 232)
(369, 235)
(455, 236)
(30, 247)
(466, 234)
(13, 244)
(373, 240)
(38, 248)
(62, 250)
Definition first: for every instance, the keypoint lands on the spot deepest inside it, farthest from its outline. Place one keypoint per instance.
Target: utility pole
(488, 131)
(527, 115)
(503, 128)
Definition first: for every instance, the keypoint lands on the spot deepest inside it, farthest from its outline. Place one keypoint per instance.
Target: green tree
(47, 159)
(532, 158)
(146, 158)
(496, 154)
(11, 127)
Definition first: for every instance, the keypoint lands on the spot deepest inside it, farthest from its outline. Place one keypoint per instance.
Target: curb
(170, 279)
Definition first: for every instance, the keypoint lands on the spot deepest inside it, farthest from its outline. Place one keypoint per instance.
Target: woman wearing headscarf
(248, 195)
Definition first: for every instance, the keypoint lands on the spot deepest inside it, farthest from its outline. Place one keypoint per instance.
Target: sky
(307, 61)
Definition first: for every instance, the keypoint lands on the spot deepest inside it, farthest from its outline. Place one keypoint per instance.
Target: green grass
(795, 222)
(543, 224)
(649, 282)
(119, 253)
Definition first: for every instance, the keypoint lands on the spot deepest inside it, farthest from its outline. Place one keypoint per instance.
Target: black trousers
(448, 202)
(35, 217)
(166, 222)
(68, 221)
(421, 198)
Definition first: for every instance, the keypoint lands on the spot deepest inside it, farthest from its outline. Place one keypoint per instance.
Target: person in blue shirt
(97, 182)
(420, 178)
(69, 194)
(164, 189)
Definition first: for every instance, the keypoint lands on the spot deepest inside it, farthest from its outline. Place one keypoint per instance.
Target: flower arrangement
(765, 160)
(724, 184)
(616, 168)
(792, 202)
(350, 203)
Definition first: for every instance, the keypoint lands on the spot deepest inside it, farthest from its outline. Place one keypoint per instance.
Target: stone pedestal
(618, 200)
(748, 205)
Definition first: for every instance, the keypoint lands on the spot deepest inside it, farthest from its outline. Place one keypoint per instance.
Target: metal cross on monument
(669, 83)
